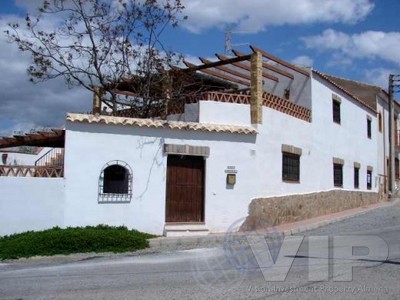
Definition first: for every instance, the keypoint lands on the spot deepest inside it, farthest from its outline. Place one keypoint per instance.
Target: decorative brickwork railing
(286, 107)
(220, 97)
(269, 100)
(32, 171)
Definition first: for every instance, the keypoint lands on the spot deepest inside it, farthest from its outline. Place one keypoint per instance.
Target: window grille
(115, 183)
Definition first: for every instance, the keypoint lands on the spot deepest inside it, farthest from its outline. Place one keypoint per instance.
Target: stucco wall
(30, 204)
(348, 140)
(213, 112)
(27, 159)
(90, 147)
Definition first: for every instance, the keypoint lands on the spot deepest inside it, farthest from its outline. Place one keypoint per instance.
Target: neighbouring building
(273, 143)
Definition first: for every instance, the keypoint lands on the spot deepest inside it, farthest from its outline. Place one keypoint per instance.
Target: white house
(297, 132)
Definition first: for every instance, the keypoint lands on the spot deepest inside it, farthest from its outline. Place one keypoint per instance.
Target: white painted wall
(90, 147)
(383, 137)
(22, 159)
(30, 204)
(258, 160)
(212, 112)
(348, 140)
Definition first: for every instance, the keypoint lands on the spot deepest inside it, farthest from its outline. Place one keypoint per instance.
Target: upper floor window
(336, 109)
(115, 183)
(369, 131)
(380, 122)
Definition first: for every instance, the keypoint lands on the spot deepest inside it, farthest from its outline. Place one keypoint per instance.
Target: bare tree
(102, 45)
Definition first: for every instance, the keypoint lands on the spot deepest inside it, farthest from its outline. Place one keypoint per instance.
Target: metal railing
(53, 157)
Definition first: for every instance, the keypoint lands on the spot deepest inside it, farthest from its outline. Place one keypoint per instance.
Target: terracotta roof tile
(151, 123)
(363, 93)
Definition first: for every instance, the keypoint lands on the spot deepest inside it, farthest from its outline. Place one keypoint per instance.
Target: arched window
(115, 183)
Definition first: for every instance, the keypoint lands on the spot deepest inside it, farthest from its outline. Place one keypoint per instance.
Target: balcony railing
(268, 100)
(32, 171)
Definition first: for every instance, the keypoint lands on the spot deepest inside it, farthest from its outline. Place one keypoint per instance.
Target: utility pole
(394, 86)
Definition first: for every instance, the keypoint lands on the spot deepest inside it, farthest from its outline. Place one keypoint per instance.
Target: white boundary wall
(28, 203)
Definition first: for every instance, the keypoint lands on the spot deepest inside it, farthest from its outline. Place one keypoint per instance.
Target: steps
(185, 229)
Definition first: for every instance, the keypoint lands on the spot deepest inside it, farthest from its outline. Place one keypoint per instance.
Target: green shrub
(101, 238)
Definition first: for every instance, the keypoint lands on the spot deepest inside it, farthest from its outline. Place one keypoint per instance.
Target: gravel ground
(385, 217)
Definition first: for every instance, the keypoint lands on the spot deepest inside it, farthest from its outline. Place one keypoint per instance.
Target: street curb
(338, 219)
(218, 238)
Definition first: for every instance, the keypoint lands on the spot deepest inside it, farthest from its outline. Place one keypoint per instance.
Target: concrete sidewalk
(217, 239)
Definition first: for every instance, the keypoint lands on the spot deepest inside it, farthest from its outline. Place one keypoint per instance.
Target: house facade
(296, 132)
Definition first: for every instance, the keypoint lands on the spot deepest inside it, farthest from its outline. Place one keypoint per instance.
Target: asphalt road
(233, 272)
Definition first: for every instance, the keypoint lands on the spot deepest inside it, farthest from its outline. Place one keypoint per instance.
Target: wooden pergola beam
(269, 67)
(246, 67)
(227, 70)
(280, 61)
(54, 138)
(216, 74)
(217, 63)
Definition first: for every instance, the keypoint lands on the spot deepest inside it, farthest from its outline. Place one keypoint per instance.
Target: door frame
(203, 206)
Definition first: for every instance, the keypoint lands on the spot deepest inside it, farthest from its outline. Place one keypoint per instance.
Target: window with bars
(369, 179)
(115, 183)
(290, 167)
(336, 111)
(338, 175)
(356, 177)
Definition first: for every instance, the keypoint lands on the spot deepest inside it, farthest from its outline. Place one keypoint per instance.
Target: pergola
(53, 139)
(238, 69)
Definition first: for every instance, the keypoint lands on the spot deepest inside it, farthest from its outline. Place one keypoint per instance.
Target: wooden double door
(185, 189)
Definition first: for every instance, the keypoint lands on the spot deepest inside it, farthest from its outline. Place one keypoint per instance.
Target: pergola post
(97, 95)
(256, 88)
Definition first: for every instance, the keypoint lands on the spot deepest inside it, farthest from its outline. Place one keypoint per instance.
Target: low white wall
(22, 159)
(213, 112)
(30, 204)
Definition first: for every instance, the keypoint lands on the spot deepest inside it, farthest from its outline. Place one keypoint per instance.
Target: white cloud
(303, 60)
(380, 76)
(23, 104)
(257, 15)
(369, 44)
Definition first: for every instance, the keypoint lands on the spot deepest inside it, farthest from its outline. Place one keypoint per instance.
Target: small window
(356, 177)
(336, 111)
(115, 183)
(380, 122)
(397, 167)
(369, 179)
(338, 175)
(290, 167)
(369, 133)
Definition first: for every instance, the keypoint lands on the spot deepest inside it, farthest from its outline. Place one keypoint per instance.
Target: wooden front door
(185, 189)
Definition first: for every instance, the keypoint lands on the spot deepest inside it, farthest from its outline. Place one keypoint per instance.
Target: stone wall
(267, 212)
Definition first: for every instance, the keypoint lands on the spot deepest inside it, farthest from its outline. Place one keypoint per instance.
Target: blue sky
(356, 39)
